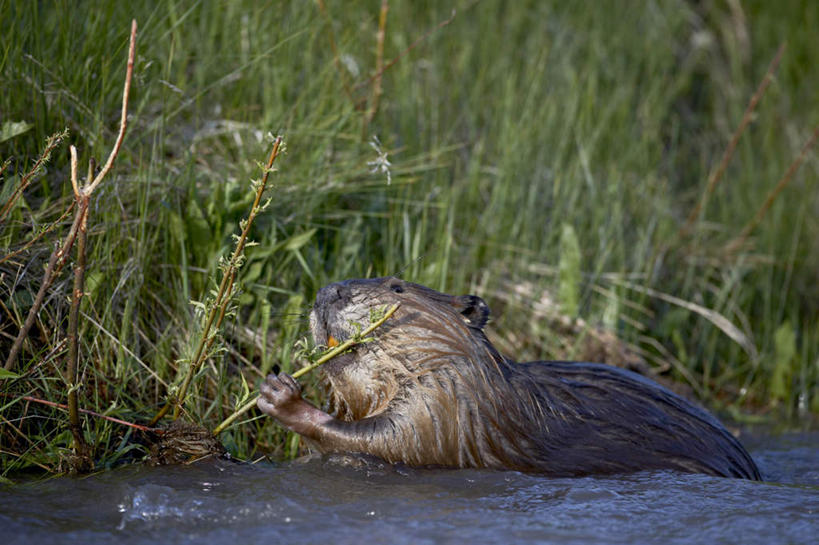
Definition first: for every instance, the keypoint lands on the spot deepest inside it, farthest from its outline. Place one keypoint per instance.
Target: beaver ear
(474, 310)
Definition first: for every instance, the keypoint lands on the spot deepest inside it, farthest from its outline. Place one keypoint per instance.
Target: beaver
(430, 390)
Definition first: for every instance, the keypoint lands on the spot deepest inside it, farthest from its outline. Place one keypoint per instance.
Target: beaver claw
(280, 396)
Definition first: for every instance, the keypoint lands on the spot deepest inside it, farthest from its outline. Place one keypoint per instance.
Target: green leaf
(784, 355)
(245, 390)
(297, 241)
(10, 129)
(176, 226)
(611, 314)
(93, 280)
(198, 230)
(4, 374)
(253, 272)
(569, 271)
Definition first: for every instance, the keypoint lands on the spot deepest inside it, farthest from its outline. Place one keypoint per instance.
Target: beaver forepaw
(280, 397)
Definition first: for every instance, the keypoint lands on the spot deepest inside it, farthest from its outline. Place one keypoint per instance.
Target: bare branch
(379, 67)
(412, 46)
(123, 123)
(336, 57)
(55, 262)
(223, 296)
(729, 151)
(74, 183)
(769, 200)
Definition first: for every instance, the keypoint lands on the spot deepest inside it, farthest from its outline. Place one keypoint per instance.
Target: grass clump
(545, 155)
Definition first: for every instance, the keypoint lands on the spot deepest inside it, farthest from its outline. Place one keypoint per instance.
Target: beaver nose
(329, 294)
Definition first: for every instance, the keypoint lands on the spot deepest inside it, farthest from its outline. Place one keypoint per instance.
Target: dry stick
(786, 178)
(322, 360)
(55, 262)
(222, 299)
(82, 196)
(379, 68)
(70, 376)
(336, 57)
(729, 151)
(40, 235)
(84, 411)
(123, 122)
(225, 289)
(60, 253)
(78, 232)
(412, 46)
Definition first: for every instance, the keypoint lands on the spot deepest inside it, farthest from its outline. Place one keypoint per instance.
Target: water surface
(324, 501)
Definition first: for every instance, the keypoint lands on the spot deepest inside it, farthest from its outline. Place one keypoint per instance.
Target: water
(321, 501)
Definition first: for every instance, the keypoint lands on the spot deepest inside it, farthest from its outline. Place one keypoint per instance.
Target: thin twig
(74, 182)
(345, 80)
(780, 185)
(412, 46)
(52, 142)
(327, 356)
(84, 411)
(123, 122)
(60, 253)
(226, 288)
(73, 312)
(335, 351)
(379, 67)
(729, 151)
(222, 299)
(55, 263)
(39, 235)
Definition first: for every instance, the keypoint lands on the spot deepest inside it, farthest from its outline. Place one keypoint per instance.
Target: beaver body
(431, 390)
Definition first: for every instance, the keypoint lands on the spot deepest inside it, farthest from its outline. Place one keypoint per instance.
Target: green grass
(555, 148)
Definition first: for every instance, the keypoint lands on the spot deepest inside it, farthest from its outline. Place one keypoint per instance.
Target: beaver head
(429, 330)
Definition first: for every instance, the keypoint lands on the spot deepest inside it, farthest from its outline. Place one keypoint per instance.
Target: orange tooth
(331, 342)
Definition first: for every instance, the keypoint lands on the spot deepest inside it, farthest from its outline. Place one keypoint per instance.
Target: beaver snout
(337, 307)
(331, 294)
(340, 294)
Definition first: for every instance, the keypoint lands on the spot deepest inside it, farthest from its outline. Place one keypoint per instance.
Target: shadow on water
(325, 501)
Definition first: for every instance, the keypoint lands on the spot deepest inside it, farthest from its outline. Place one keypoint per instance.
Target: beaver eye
(397, 288)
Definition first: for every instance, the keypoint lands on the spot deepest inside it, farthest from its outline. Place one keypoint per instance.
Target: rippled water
(323, 501)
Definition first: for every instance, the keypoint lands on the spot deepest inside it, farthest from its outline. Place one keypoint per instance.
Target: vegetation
(596, 172)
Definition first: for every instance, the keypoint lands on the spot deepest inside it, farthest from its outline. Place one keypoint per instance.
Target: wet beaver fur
(431, 390)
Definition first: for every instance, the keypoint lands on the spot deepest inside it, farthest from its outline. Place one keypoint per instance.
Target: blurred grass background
(544, 155)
